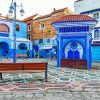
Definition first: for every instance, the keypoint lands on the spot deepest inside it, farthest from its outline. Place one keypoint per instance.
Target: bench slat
(22, 71)
(35, 66)
(10, 66)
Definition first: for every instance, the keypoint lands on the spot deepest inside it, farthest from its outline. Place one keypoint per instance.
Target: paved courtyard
(63, 83)
(55, 74)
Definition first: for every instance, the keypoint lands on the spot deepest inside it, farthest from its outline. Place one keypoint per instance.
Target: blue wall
(95, 53)
(46, 52)
(6, 41)
(23, 30)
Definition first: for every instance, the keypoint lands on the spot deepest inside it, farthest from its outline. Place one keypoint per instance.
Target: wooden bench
(23, 68)
(21, 55)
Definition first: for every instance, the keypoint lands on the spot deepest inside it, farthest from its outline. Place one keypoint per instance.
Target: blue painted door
(76, 54)
(73, 54)
(70, 54)
(4, 49)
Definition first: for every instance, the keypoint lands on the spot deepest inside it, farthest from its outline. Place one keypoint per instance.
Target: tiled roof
(8, 18)
(45, 16)
(71, 18)
(60, 10)
(30, 18)
(3, 17)
(54, 12)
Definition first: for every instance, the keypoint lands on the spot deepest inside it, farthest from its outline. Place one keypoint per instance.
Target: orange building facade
(29, 22)
(40, 27)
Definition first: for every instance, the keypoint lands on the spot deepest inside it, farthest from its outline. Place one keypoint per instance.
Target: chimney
(54, 9)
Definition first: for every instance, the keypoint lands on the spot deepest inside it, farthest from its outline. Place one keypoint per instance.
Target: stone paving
(54, 74)
(63, 83)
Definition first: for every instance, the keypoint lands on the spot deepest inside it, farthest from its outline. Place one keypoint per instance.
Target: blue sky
(41, 7)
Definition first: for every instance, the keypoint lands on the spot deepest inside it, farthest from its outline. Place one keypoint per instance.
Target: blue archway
(70, 54)
(76, 54)
(22, 48)
(74, 50)
(4, 49)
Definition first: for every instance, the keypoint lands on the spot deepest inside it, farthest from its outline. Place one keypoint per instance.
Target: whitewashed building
(91, 8)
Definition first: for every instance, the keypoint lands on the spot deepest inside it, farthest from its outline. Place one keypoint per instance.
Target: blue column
(59, 51)
(88, 53)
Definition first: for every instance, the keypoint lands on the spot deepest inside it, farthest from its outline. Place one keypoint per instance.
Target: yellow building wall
(48, 31)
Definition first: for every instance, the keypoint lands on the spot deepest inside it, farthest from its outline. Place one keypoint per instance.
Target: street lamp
(12, 10)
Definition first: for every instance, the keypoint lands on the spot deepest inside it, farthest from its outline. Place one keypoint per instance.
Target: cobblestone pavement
(63, 84)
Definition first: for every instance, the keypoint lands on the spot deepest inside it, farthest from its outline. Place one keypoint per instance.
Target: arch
(4, 28)
(77, 49)
(76, 54)
(22, 46)
(4, 49)
(70, 54)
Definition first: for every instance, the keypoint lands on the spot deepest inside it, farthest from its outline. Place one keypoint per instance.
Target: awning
(21, 40)
(46, 47)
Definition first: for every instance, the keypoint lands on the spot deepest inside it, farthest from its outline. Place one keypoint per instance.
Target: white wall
(85, 5)
(88, 5)
(10, 25)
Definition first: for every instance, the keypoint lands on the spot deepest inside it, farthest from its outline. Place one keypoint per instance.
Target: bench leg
(46, 75)
(1, 76)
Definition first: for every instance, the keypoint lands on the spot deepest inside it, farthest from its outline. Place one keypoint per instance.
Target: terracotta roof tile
(45, 16)
(71, 18)
(55, 11)
(60, 10)
(30, 18)
(3, 17)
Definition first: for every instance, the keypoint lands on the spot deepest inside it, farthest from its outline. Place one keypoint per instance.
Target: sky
(31, 7)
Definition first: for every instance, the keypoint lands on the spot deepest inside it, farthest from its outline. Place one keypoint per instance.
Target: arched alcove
(4, 28)
(73, 50)
(4, 49)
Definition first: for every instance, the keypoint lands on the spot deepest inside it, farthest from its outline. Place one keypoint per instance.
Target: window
(17, 28)
(96, 34)
(40, 41)
(96, 15)
(29, 27)
(48, 40)
(41, 26)
(29, 37)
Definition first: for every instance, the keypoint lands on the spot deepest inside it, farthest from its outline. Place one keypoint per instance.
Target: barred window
(96, 34)
(17, 27)
(29, 27)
